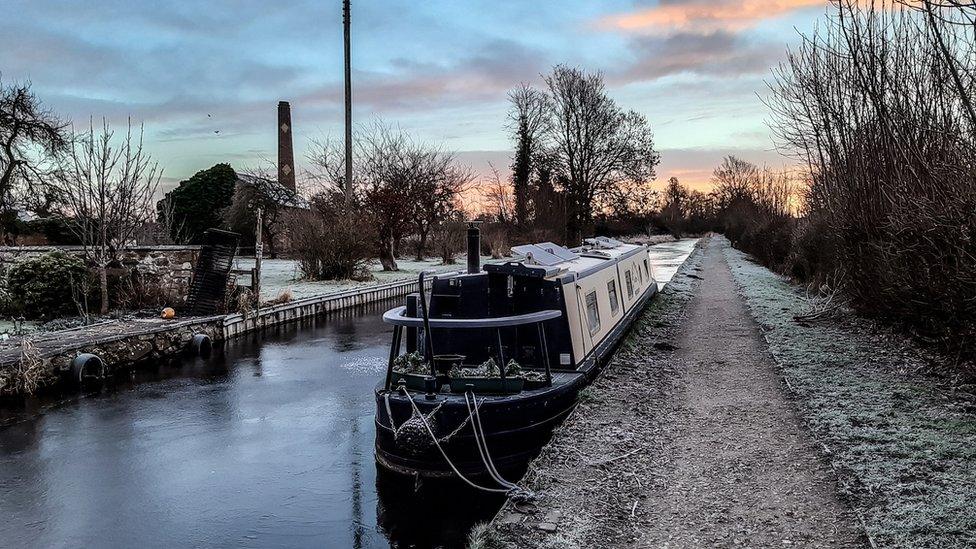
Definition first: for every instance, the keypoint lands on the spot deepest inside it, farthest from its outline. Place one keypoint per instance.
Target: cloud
(718, 53)
(483, 76)
(703, 15)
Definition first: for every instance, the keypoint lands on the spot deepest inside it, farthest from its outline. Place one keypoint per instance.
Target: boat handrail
(397, 316)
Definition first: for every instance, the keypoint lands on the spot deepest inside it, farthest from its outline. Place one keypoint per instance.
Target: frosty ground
(835, 433)
(280, 275)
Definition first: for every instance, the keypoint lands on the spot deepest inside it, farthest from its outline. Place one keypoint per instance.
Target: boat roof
(558, 261)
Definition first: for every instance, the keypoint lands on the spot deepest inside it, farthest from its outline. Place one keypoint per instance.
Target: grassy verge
(902, 438)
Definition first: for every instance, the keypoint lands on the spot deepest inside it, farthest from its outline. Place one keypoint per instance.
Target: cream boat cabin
(517, 339)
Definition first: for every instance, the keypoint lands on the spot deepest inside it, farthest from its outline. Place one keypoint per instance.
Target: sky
(205, 77)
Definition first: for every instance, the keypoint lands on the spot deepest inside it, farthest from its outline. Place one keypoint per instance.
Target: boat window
(646, 271)
(630, 284)
(614, 302)
(593, 312)
(640, 277)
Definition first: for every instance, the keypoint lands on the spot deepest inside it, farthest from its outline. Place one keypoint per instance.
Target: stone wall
(169, 266)
(25, 370)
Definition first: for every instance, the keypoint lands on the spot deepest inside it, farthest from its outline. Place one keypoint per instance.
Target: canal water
(267, 444)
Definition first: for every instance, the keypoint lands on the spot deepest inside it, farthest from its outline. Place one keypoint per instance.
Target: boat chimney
(286, 158)
(474, 248)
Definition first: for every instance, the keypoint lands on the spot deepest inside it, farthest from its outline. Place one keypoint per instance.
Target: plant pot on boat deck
(444, 363)
(491, 385)
(414, 382)
(412, 370)
(486, 378)
(415, 373)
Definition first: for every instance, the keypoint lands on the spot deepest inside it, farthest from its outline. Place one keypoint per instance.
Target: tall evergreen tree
(197, 203)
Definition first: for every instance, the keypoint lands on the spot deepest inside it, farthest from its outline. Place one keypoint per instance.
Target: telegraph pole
(345, 34)
(258, 256)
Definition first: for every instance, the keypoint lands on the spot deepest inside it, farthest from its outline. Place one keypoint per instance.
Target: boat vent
(603, 242)
(546, 254)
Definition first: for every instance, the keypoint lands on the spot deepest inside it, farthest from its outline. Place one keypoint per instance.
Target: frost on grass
(280, 275)
(903, 442)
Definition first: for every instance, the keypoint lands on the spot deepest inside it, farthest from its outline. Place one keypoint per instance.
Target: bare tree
(328, 162)
(878, 103)
(674, 205)
(437, 192)
(31, 138)
(733, 180)
(637, 200)
(401, 184)
(172, 227)
(497, 195)
(256, 190)
(107, 189)
(598, 145)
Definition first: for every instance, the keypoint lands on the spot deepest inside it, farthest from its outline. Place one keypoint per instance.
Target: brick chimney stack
(286, 157)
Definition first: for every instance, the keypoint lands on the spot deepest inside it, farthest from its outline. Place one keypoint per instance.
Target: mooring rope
(515, 492)
(482, 443)
(443, 453)
(512, 490)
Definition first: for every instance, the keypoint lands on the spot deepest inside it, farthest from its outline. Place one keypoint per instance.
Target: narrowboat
(494, 358)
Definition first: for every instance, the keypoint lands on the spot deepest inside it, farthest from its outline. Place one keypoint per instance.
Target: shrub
(494, 240)
(135, 290)
(48, 285)
(408, 245)
(331, 241)
(449, 240)
(57, 231)
(409, 363)
(891, 173)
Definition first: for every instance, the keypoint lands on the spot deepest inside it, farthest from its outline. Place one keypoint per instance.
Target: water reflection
(436, 512)
(268, 444)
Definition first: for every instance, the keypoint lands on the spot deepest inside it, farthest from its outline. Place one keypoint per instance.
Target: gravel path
(687, 440)
(743, 469)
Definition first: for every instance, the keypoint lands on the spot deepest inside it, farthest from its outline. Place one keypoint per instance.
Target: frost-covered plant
(529, 375)
(489, 368)
(409, 363)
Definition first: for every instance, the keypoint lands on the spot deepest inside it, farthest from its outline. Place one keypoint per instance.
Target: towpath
(689, 439)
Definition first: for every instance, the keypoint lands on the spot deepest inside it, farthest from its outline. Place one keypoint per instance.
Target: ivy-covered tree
(197, 203)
